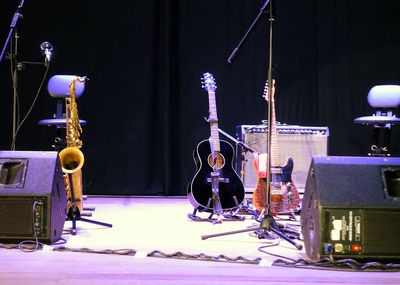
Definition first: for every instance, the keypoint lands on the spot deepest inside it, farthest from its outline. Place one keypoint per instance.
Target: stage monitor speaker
(351, 208)
(32, 196)
(299, 142)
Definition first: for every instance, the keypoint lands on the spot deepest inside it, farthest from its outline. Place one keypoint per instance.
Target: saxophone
(71, 157)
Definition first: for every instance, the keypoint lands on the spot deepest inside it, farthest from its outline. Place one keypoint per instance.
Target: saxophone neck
(73, 125)
(73, 82)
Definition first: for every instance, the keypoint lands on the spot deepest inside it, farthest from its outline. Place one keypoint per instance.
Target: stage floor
(152, 241)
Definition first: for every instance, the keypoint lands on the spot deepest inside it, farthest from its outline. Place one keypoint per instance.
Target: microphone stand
(14, 60)
(262, 10)
(14, 21)
(242, 144)
(16, 66)
(267, 221)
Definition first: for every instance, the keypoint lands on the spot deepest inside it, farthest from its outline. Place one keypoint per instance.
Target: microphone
(47, 50)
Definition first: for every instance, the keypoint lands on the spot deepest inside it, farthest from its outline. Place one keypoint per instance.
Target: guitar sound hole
(220, 161)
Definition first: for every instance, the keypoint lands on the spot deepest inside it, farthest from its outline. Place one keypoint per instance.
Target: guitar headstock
(208, 82)
(266, 90)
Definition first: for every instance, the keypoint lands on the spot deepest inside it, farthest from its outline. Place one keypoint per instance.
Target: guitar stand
(245, 148)
(227, 216)
(74, 213)
(222, 215)
(215, 200)
(291, 216)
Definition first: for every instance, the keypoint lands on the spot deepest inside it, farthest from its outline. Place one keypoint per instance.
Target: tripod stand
(273, 175)
(74, 214)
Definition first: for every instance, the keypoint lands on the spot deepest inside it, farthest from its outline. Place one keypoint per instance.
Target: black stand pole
(262, 10)
(14, 60)
(16, 66)
(242, 144)
(267, 221)
(74, 214)
(14, 21)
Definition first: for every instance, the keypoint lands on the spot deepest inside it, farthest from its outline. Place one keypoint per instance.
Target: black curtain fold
(144, 103)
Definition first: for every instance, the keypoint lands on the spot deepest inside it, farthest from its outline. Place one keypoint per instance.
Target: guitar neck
(213, 119)
(274, 138)
(274, 133)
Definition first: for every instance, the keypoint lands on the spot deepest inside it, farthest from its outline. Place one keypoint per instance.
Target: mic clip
(47, 50)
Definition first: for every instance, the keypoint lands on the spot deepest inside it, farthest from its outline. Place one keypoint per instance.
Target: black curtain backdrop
(144, 103)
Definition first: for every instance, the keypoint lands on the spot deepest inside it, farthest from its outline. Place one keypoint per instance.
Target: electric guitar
(284, 197)
(215, 186)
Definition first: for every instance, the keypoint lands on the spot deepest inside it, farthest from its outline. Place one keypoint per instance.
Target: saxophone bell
(71, 159)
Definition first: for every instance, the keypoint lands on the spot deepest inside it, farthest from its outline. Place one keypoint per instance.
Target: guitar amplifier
(299, 142)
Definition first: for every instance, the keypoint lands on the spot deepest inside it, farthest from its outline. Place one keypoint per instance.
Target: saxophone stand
(74, 213)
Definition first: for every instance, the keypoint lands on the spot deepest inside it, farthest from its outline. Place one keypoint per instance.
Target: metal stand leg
(74, 214)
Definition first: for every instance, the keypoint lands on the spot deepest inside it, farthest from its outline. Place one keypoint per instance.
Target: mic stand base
(267, 226)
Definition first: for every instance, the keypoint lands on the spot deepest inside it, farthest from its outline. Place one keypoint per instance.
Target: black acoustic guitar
(215, 186)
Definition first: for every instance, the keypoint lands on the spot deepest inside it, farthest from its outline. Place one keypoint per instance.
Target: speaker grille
(349, 209)
(382, 232)
(32, 196)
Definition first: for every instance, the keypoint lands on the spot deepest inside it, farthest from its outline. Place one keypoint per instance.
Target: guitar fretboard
(274, 138)
(274, 133)
(213, 119)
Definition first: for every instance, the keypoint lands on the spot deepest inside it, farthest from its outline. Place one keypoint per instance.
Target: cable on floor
(328, 263)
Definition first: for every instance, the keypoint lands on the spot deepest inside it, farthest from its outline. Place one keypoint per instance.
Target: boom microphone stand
(14, 60)
(14, 21)
(17, 66)
(267, 222)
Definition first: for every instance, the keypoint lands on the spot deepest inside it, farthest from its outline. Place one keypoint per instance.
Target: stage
(152, 241)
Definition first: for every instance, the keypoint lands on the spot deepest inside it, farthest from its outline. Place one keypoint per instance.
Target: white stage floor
(152, 241)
